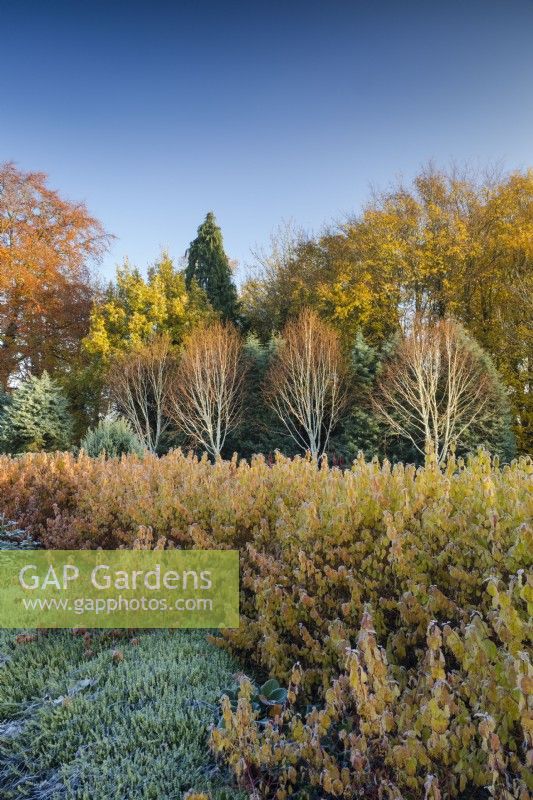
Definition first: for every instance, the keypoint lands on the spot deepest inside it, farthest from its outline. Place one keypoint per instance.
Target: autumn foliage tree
(207, 390)
(456, 243)
(450, 243)
(133, 311)
(284, 280)
(136, 309)
(306, 385)
(46, 246)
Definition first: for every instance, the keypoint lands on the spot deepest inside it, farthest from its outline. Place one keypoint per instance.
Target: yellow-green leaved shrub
(403, 595)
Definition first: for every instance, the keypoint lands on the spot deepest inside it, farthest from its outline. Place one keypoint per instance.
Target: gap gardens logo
(119, 589)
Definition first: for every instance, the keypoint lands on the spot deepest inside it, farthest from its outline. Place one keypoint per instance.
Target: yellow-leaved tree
(452, 244)
(135, 309)
(131, 318)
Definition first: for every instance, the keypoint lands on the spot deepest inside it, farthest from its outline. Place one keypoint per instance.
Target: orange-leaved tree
(46, 246)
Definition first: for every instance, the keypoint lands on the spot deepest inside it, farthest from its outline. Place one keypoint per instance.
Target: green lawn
(123, 722)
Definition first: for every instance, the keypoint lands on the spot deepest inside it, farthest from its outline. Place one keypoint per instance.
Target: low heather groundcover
(103, 716)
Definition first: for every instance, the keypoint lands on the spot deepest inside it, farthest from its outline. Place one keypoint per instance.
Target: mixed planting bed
(393, 605)
(108, 715)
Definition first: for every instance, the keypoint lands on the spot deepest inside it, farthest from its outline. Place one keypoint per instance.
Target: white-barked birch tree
(306, 384)
(139, 383)
(207, 391)
(435, 387)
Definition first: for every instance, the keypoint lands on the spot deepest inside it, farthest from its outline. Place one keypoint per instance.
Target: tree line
(403, 328)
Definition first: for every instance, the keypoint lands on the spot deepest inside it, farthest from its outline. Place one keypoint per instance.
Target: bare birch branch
(306, 384)
(434, 389)
(139, 384)
(206, 398)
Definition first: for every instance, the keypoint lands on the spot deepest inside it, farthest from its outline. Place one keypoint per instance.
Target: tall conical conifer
(208, 265)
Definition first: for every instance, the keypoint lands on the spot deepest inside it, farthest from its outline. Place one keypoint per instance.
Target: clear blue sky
(156, 112)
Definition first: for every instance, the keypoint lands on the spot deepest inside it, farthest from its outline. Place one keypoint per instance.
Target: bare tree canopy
(306, 384)
(139, 383)
(206, 397)
(436, 388)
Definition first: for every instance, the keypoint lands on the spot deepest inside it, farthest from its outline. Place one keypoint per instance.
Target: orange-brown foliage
(404, 595)
(46, 243)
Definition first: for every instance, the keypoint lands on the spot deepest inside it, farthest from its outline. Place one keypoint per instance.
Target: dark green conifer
(208, 265)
